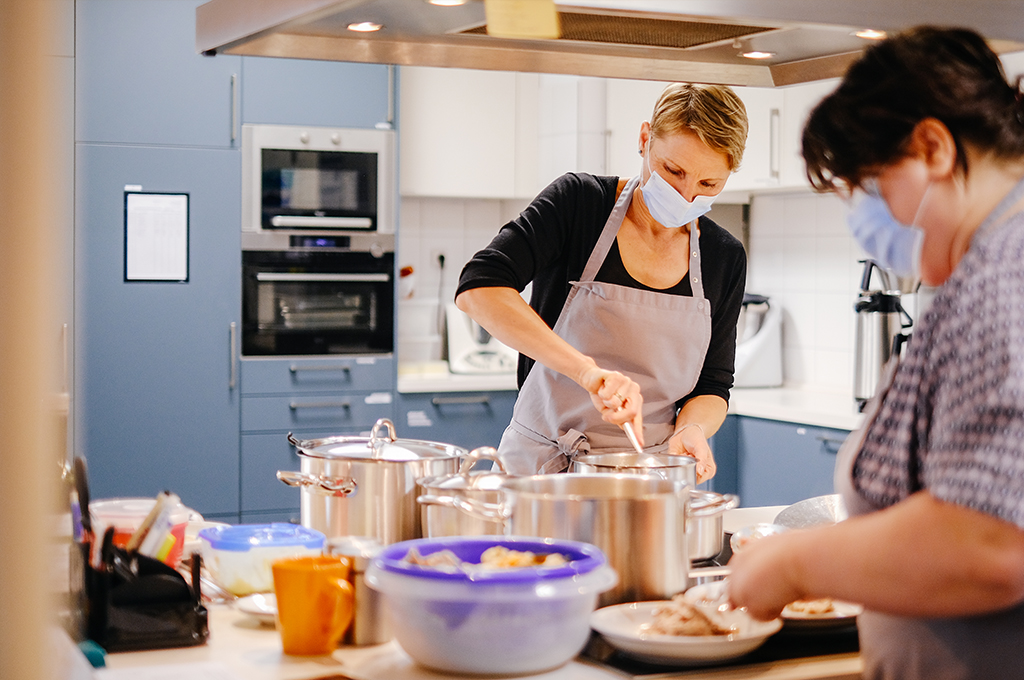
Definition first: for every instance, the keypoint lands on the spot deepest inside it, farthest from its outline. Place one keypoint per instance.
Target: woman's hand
(762, 575)
(689, 440)
(617, 397)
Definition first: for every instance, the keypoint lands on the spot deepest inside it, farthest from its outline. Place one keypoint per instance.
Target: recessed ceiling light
(758, 55)
(365, 27)
(447, 3)
(870, 34)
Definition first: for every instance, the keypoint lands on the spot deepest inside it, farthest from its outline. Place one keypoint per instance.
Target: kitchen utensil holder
(151, 606)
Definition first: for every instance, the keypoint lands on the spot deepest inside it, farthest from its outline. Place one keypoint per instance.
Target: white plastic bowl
(239, 557)
(506, 621)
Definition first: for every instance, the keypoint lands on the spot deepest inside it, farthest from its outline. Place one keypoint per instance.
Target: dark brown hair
(948, 74)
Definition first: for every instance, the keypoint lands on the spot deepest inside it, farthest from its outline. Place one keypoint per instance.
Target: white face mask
(667, 205)
(888, 241)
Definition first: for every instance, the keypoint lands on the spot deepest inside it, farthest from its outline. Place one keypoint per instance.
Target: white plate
(261, 606)
(623, 626)
(842, 614)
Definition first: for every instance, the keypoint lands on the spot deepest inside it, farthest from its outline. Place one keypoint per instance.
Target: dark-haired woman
(925, 130)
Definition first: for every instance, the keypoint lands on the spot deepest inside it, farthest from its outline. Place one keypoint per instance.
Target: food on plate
(817, 607)
(495, 557)
(679, 617)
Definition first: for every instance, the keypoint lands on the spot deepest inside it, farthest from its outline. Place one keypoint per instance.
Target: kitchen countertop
(433, 376)
(250, 651)
(796, 405)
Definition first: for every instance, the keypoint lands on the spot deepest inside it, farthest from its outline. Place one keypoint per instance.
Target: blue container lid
(244, 537)
(582, 558)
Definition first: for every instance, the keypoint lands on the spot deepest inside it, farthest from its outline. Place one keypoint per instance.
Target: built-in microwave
(316, 179)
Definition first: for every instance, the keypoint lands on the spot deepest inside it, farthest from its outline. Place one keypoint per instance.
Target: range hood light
(870, 34)
(365, 27)
(758, 55)
(447, 3)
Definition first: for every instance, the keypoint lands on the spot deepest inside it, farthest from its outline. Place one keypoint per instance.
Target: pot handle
(478, 454)
(725, 501)
(488, 512)
(329, 486)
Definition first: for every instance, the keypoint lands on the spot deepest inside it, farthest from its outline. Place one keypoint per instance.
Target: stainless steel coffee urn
(882, 325)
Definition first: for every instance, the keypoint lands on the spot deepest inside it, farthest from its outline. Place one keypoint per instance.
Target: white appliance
(759, 344)
(471, 349)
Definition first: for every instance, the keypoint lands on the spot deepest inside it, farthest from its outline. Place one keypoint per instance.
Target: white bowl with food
(692, 629)
(455, 610)
(820, 613)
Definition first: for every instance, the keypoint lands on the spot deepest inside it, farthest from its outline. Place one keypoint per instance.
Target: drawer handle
(295, 405)
(295, 368)
(447, 401)
(831, 442)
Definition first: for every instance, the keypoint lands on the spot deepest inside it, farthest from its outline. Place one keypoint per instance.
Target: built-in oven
(318, 241)
(318, 294)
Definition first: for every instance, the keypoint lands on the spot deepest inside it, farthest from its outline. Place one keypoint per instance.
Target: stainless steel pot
(639, 521)
(705, 535)
(445, 495)
(359, 486)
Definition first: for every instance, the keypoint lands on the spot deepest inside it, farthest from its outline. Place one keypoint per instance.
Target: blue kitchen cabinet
(324, 93)
(311, 397)
(139, 79)
(156, 407)
(466, 419)
(769, 462)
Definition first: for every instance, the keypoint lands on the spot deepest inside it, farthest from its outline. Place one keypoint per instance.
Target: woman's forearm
(505, 314)
(706, 410)
(921, 557)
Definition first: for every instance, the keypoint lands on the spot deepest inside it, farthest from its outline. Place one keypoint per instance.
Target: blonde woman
(635, 295)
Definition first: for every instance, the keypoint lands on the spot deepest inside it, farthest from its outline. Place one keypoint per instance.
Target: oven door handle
(313, 277)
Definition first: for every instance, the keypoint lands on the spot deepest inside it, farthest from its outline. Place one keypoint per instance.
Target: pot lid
(469, 478)
(378, 446)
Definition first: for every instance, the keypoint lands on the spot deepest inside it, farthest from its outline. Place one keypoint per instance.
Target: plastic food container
(239, 557)
(127, 514)
(500, 621)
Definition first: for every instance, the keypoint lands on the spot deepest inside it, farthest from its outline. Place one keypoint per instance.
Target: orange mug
(314, 602)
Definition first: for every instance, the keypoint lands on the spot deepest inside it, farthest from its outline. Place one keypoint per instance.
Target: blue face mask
(888, 241)
(667, 205)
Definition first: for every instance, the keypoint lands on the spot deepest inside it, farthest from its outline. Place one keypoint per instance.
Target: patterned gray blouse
(953, 420)
(953, 423)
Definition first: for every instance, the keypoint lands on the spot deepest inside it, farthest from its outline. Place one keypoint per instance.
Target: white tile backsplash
(802, 256)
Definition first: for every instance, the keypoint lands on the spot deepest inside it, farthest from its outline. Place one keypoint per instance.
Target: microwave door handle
(315, 278)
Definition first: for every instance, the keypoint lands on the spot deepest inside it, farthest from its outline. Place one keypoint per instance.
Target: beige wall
(29, 180)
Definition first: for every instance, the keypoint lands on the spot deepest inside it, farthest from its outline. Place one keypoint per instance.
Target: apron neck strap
(611, 230)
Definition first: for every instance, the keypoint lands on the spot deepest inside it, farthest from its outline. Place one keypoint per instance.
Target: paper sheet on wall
(156, 237)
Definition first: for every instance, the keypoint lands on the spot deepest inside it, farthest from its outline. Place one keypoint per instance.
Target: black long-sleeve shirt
(552, 239)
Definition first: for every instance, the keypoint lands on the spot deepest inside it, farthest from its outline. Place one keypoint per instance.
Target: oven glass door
(319, 307)
(318, 189)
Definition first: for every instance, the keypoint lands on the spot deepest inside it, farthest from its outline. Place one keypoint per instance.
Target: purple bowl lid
(582, 558)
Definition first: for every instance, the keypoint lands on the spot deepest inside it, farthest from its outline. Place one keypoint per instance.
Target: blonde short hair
(713, 112)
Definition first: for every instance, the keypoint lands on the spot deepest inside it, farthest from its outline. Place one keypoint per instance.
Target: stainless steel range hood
(675, 40)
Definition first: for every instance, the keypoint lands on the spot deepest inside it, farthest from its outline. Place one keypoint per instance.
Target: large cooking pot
(705, 534)
(359, 486)
(639, 521)
(443, 495)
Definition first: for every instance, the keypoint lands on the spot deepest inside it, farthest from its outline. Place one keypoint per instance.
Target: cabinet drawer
(466, 419)
(324, 374)
(308, 411)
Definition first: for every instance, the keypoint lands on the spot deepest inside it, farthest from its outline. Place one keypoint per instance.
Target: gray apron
(903, 648)
(656, 339)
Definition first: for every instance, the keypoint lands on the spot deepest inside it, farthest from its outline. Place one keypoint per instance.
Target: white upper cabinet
(630, 103)
(760, 168)
(798, 102)
(467, 133)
